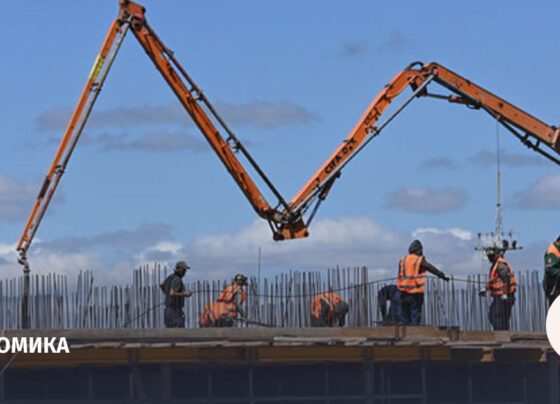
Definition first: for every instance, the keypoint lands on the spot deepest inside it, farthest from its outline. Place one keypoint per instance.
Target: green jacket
(552, 262)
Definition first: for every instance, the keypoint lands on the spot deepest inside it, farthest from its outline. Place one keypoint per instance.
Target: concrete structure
(269, 365)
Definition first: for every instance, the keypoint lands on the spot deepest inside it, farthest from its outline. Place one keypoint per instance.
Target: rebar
(282, 300)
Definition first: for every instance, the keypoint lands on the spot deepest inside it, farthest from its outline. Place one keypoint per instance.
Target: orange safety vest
(330, 298)
(495, 283)
(229, 293)
(213, 311)
(412, 278)
(552, 249)
(224, 305)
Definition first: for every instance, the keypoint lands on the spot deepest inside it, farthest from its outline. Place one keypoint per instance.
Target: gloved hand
(188, 293)
(445, 278)
(482, 292)
(504, 297)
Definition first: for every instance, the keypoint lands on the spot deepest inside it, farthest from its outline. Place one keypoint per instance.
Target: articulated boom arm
(82, 110)
(193, 100)
(321, 182)
(535, 134)
(285, 219)
(131, 16)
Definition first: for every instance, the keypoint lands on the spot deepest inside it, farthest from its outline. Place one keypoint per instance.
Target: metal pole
(25, 298)
(259, 269)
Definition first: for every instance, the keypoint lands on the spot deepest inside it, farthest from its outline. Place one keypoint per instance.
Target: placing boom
(131, 16)
(285, 219)
(532, 132)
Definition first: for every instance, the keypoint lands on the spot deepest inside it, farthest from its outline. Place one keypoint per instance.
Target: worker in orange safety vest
(502, 286)
(411, 282)
(224, 311)
(328, 309)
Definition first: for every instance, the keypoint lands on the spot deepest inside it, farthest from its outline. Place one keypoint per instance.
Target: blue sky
(292, 79)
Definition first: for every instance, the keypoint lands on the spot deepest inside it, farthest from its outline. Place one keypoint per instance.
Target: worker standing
(551, 281)
(224, 311)
(175, 294)
(411, 281)
(328, 309)
(502, 286)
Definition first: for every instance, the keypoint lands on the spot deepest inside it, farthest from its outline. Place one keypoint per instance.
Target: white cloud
(47, 261)
(154, 142)
(127, 241)
(344, 242)
(15, 198)
(112, 256)
(8, 260)
(257, 113)
(265, 114)
(438, 163)
(487, 158)
(426, 200)
(461, 234)
(452, 250)
(542, 194)
(161, 251)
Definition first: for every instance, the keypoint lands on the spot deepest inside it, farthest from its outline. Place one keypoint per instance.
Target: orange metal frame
(286, 219)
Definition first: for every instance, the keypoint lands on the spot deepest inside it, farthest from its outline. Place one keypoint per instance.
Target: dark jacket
(173, 282)
(416, 248)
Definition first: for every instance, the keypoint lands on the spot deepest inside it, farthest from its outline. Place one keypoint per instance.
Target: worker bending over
(389, 294)
(411, 282)
(502, 286)
(328, 309)
(224, 311)
(551, 280)
(175, 294)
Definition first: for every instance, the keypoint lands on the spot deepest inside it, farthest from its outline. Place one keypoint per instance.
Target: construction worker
(328, 309)
(502, 286)
(224, 311)
(389, 294)
(175, 294)
(411, 282)
(551, 280)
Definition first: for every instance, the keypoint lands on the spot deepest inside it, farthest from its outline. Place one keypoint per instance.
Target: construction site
(411, 331)
(120, 351)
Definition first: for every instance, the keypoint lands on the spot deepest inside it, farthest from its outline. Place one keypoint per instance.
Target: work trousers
(551, 285)
(411, 308)
(225, 320)
(500, 312)
(392, 295)
(340, 311)
(174, 317)
(328, 319)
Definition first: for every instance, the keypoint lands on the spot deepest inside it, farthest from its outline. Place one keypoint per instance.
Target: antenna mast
(496, 241)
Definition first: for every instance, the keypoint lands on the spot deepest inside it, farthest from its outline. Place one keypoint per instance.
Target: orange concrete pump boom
(534, 133)
(285, 219)
(131, 16)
